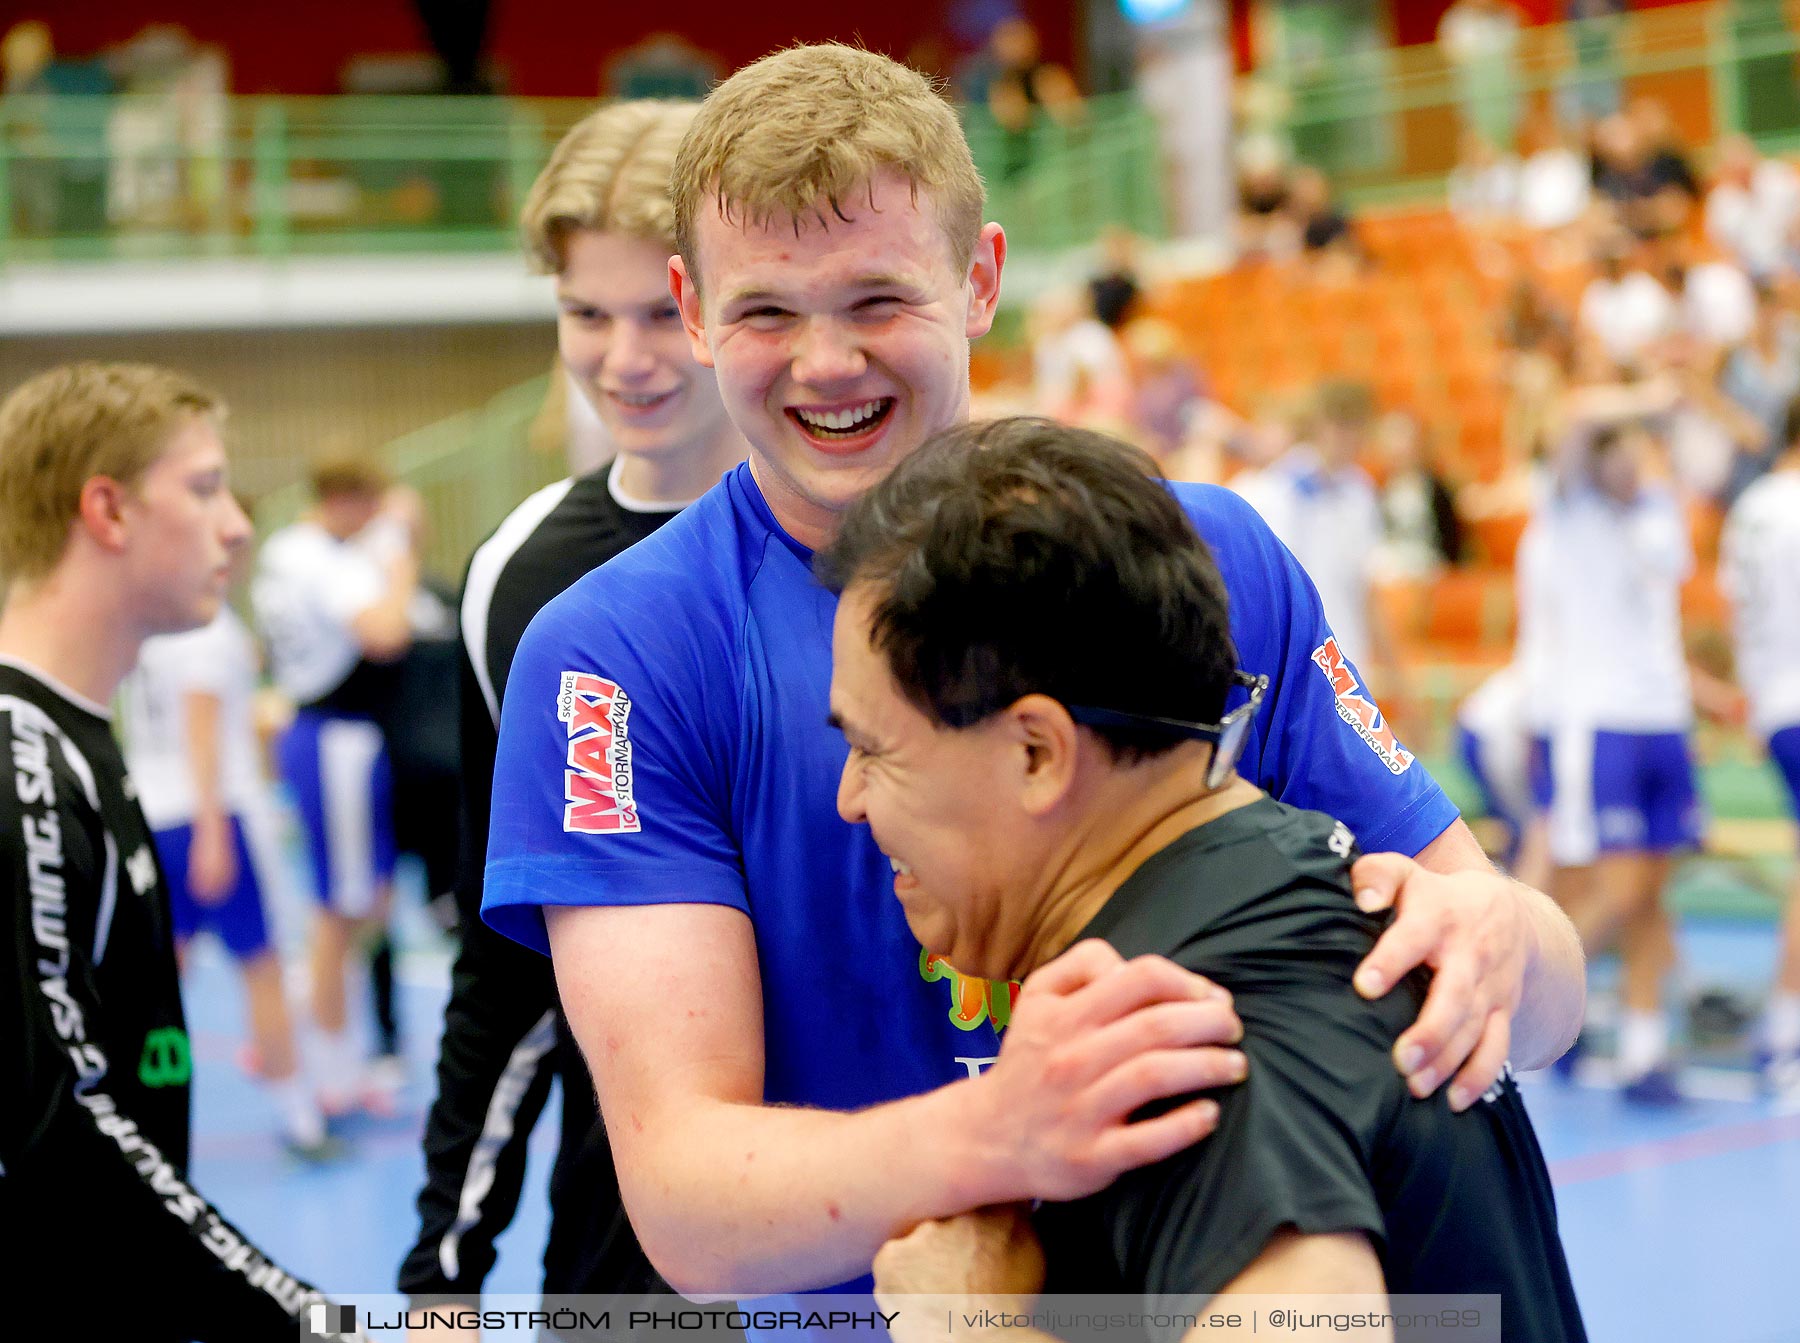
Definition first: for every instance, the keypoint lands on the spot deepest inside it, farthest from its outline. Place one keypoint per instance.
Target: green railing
(1385, 123)
(134, 176)
(83, 178)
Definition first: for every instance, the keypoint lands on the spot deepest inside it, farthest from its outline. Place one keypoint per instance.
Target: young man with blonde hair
(116, 524)
(600, 220)
(788, 1078)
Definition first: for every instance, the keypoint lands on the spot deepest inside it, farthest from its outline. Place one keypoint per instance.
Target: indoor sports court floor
(1681, 1226)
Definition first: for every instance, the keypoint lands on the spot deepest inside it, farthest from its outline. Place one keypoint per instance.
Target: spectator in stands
(1022, 85)
(1715, 299)
(1593, 29)
(1328, 237)
(1113, 292)
(1670, 159)
(1555, 187)
(1760, 571)
(1532, 320)
(1539, 341)
(1706, 431)
(57, 167)
(1421, 532)
(1480, 41)
(1078, 366)
(1752, 207)
(1762, 376)
(1318, 499)
(1647, 184)
(1264, 226)
(1484, 185)
(1261, 107)
(1166, 390)
(1624, 307)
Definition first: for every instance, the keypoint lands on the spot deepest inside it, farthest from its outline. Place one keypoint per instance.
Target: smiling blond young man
(116, 524)
(1035, 795)
(787, 1077)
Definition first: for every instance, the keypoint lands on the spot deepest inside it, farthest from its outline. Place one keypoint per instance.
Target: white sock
(301, 1119)
(340, 1060)
(1643, 1043)
(1781, 1024)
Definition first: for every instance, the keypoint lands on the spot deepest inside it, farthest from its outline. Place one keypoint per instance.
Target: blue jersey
(663, 739)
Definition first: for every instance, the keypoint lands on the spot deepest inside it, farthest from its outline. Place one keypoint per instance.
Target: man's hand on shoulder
(1093, 1038)
(1477, 931)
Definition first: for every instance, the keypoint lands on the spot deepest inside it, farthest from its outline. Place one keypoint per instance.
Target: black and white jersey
(94, 1132)
(504, 1034)
(1323, 1136)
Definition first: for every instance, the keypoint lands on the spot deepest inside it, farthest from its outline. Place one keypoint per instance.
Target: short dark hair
(1022, 556)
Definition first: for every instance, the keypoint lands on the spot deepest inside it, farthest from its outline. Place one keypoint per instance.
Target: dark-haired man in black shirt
(1033, 667)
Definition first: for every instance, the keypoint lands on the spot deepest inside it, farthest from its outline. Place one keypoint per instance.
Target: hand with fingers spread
(1094, 1038)
(1474, 931)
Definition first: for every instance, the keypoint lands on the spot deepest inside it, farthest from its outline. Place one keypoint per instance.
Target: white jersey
(1332, 523)
(309, 586)
(1760, 571)
(1610, 592)
(218, 659)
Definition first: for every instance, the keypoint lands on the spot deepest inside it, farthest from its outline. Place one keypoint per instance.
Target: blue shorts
(337, 770)
(1543, 787)
(237, 920)
(1784, 750)
(1630, 792)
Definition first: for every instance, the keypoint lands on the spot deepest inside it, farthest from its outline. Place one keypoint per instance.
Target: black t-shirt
(1323, 1136)
(505, 1038)
(94, 1131)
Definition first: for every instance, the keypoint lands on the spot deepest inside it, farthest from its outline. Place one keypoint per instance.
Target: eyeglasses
(1228, 735)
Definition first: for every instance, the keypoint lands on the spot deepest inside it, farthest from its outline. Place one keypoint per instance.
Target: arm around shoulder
(1510, 979)
(733, 1197)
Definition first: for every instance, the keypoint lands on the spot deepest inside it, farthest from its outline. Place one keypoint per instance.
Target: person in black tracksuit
(599, 219)
(505, 1039)
(106, 1237)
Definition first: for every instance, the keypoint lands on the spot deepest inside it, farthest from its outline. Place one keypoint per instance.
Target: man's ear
(1048, 752)
(686, 291)
(985, 266)
(100, 512)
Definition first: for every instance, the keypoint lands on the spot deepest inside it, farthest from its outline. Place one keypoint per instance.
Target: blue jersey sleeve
(1320, 742)
(608, 787)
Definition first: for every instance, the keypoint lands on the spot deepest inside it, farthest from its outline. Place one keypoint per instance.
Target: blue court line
(1668, 1151)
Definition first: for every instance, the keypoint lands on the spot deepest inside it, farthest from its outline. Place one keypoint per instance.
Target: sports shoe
(1655, 1088)
(321, 1151)
(383, 1080)
(1779, 1073)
